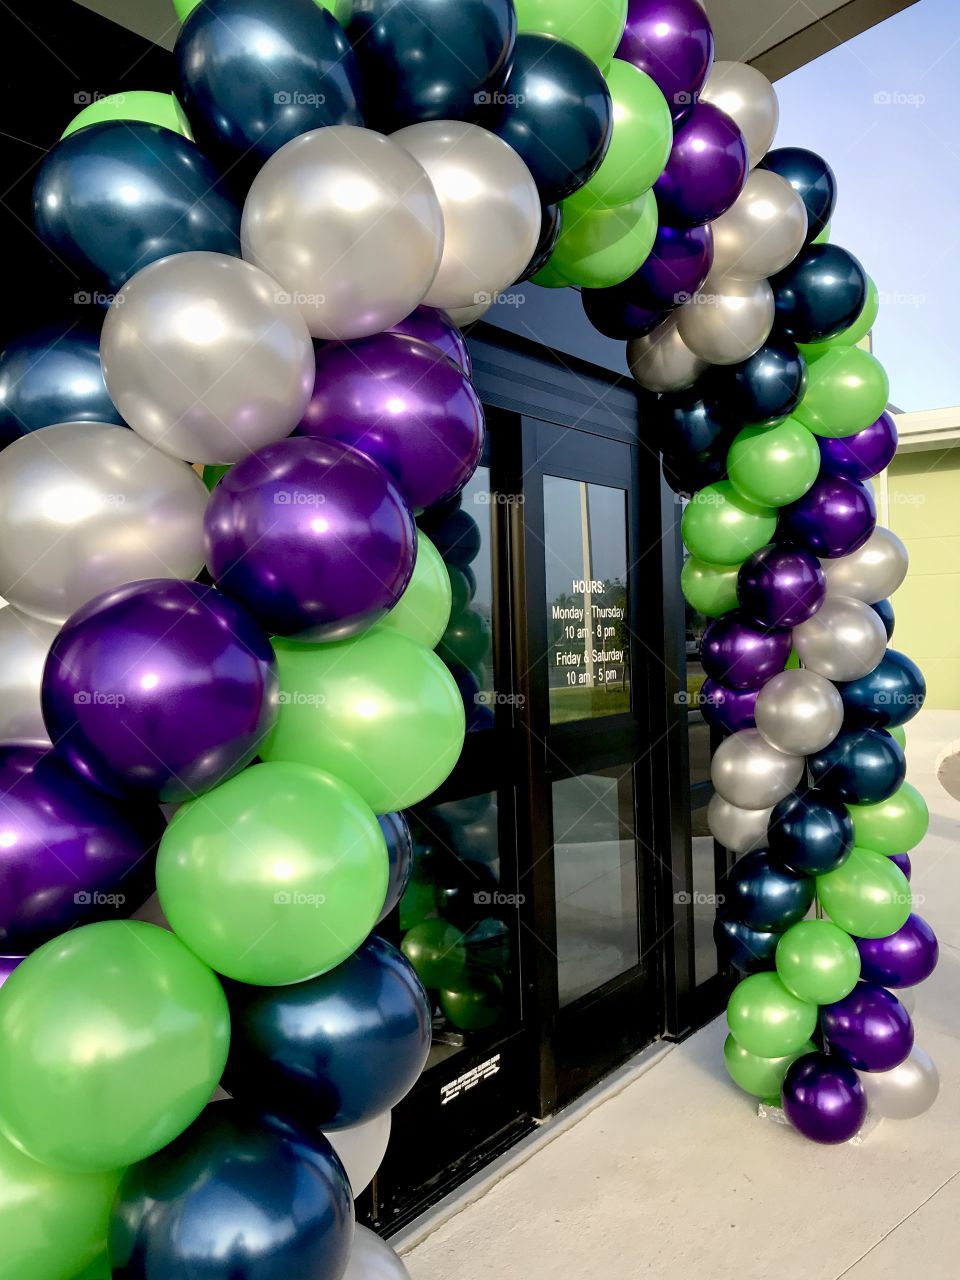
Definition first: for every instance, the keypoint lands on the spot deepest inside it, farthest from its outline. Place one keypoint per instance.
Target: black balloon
(860, 766)
(810, 833)
(686, 473)
(884, 610)
(891, 694)
(765, 388)
(556, 112)
(812, 179)
(456, 535)
(686, 423)
(333, 1051)
(551, 224)
(430, 59)
(621, 312)
(763, 895)
(252, 76)
(396, 832)
(114, 197)
(749, 950)
(235, 1196)
(820, 294)
(49, 376)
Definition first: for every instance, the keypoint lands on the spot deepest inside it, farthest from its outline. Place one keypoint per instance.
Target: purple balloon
(902, 860)
(312, 537)
(870, 1029)
(706, 170)
(679, 263)
(824, 1099)
(780, 586)
(162, 687)
(403, 403)
(672, 41)
(864, 454)
(728, 710)
(737, 652)
(903, 959)
(7, 966)
(833, 518)
(432, 325)
(70, 855)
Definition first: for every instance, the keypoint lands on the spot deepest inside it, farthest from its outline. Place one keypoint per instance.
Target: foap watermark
(86, 898)
(294, 98)
(898, 98)
(494, 898)
(84, 298)
(86, 97)
(897, 698)
(98, 698)
(896, 298)
(484, 299)
(299, 698)
(498, 99)
(487, 698)
(298, 498)
(294, 898)
(696, 899)
(284, 298)
(486, 499)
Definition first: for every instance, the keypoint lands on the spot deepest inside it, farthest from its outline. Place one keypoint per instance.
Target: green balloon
(595, 28)
(899, 734)
(824, 236)
(461, 590)
(142, 105)
(379, 711)
(793, 662)
(766, 1019)
(723, 528)
(868, 895)
(466, 641)
(851, 336)
(600, 247)
(423, 611)
(184, 8)
(474, 1001)
(114, 1038)
(212, 475)
(896, 825)
(773, 466)
(642, 137)
(276, 877)
(550, 277)
(711, 589)
(436, 951)
(763, 1077)
(818, 961)
(847, 390)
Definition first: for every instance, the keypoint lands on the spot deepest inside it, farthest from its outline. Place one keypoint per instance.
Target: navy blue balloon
(333, 1051)
(884, 610)
(49, 376)
(396, 832)
(763, 895)
(860, 766)
(749, 950)
(812, 179)
(763, 389)
(891, 694)
(621, 312)
(551, 224)
(236, 1196)
(686, 473)
(251, 76)
(114, 197)
(556, 112)
(820, 294)
(810, 833)
(430, 59)
(685, 423)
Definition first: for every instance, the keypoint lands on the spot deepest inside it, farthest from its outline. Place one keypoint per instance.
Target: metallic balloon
(551, 224)
(396, 832)
(207, 358)
(741, 654)
(661, 361)
(872, 572)
(860, 766)
(361, 1148)
(810, 833)
(677, 266)
(834, 517)
(762, 232)
(780, 586)
(434, 326)
(901, 860)
(869, 1028)
(87, 506)
(463, 317)
(706, 170)
(749, 950)
(371, 1258)
(843, 641)
(726, 709)
(739, 830)
(906, 1091)
(866, 453)
(812, 179)
(799, 712)
(824, 1099)
(728, 320)
(764, 895)
(491, 209)
(616, 313)
(350, 225)
(24, 645)
(749, 773)
(887, 696)
(749, 99)
(765, 388)
(820, 294)
(672, 41)
(7, 966)
(685, 422)
(901, 959)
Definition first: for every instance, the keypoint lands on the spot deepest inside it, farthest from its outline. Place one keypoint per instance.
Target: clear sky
(884, 109)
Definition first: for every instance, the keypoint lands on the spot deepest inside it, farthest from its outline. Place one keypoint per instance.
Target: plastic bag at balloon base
(775, 1114)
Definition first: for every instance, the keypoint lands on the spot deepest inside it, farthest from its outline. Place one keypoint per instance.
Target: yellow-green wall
(924, 510)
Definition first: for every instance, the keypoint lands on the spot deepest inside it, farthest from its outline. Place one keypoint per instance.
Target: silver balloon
(361, 1148)
(873, 573)
(905, 1092)
(739, 830)
(491, 209)
(462, 316)
(351, 227)
(799, 712)
(24, 645)
(749, 773)
(762, 232)
(749, 99)
(84, 507)
(908, 998)
(372, 1259)
(728, 320)
(661, 361)
(844, 639)
(207, 358)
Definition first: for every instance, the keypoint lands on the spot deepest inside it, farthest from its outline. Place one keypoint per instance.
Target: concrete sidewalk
(674, 1177)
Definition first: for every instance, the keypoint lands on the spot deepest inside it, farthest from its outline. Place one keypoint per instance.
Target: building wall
(923, 495)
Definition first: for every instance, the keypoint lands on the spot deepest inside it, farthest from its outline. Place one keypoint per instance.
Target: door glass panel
(596, 880)
(705, 899)
(585, 540)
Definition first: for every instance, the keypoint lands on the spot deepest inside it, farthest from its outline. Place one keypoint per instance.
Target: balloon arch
(287, 248)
